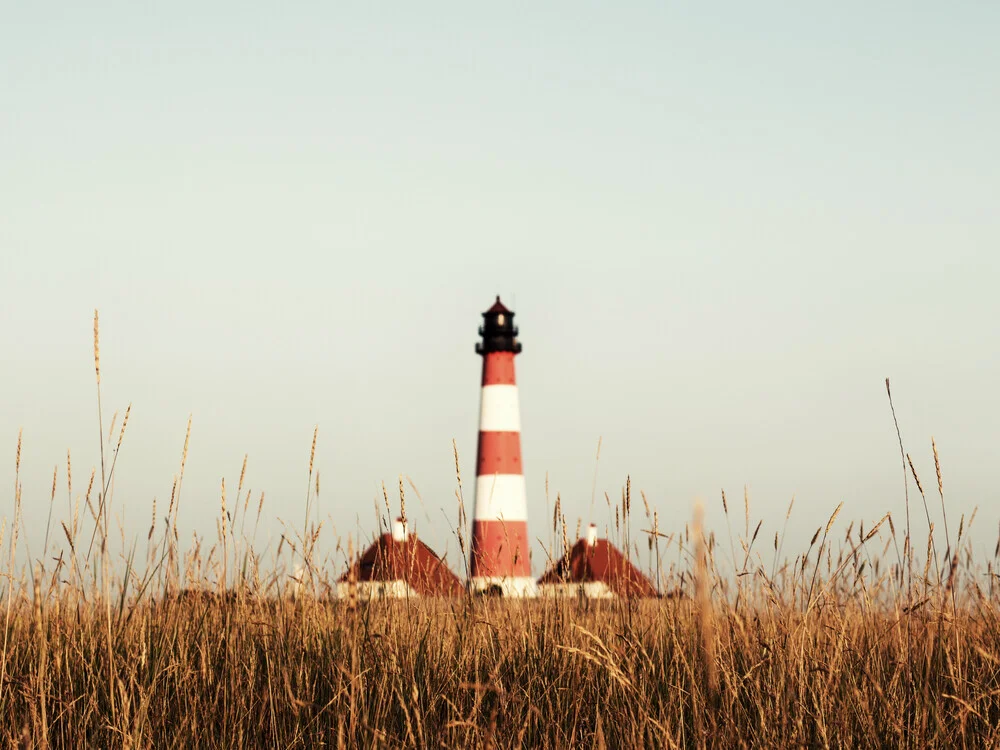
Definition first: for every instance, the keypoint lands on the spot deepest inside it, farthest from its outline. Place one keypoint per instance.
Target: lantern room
(498, 331)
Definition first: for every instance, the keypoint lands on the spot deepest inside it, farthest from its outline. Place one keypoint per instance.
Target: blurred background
(720, 228)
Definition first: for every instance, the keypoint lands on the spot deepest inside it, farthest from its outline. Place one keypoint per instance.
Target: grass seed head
(937, 467)
(187, 441)
(243, 473)
(833, 518)
(173, 494)
(913, 471)
(312, 450)
(97, 348)
(121, 435)
(223, 507)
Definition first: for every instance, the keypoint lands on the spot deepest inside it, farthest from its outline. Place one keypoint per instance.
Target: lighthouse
(500, 561)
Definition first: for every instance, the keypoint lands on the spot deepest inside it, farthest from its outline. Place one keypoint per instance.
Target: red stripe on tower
(500, 561)
(498, 367)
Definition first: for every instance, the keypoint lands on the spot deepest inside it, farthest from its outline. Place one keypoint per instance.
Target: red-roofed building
(399, 565)
(595, 568)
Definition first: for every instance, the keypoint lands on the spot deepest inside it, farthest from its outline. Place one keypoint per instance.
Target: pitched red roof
(600, 562)
(498, 307)
(409, 560)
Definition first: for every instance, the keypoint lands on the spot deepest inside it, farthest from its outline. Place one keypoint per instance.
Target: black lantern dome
(498, 331)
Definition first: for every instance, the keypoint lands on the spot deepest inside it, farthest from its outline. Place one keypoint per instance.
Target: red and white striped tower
(500, 546)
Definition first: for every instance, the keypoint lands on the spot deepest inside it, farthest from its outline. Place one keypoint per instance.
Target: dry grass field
(251, 670)
(857, 638)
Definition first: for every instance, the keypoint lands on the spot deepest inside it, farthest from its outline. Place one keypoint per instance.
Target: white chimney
(399, 530)
(592, 535)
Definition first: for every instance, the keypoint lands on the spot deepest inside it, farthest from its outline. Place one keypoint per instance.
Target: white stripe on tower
(499, 410)
(494, 493)
(500, 559)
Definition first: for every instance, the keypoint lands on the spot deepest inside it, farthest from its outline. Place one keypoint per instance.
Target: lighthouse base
(511, 588)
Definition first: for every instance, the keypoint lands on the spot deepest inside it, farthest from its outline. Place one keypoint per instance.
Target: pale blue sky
(721, 228)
